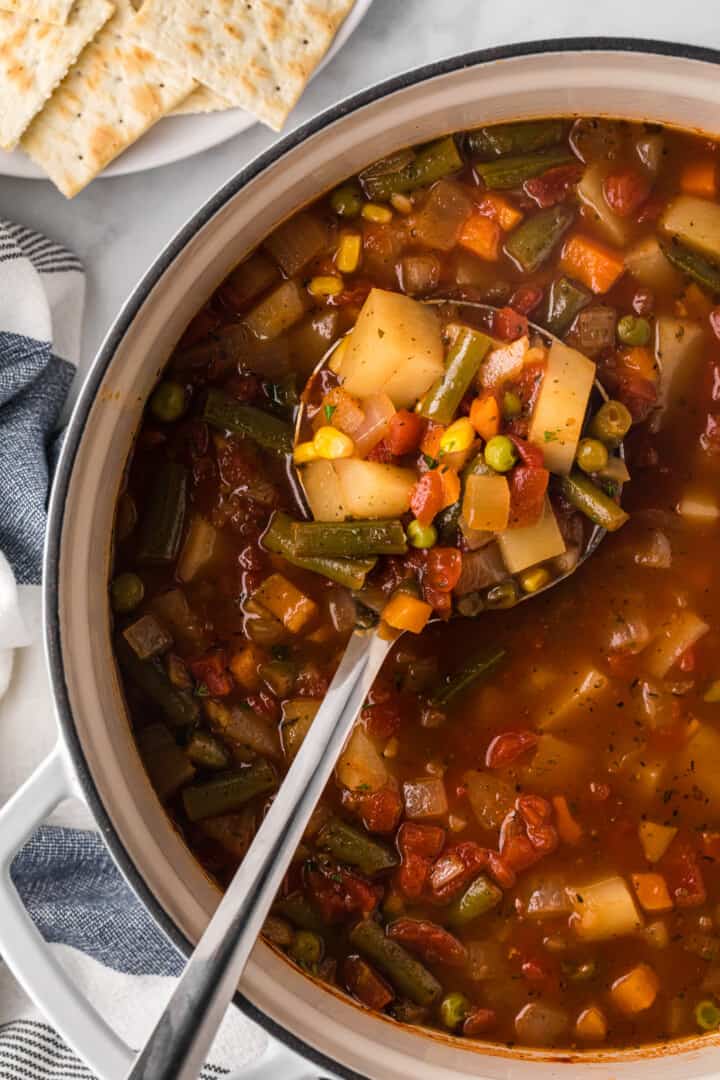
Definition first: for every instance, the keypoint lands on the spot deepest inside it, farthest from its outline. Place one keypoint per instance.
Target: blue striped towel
(79, 901)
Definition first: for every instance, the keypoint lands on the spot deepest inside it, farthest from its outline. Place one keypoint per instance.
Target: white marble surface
(118, 226)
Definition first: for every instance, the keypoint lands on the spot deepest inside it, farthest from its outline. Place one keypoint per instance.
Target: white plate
(179, 137)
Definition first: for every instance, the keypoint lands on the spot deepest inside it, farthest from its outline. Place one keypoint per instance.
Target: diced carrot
(591, 263)
(244, 667)
(500, 209)
(568, 829)
(286, 602)
(652, 892)
(451, 486)
(405, 612)
(636, 991)
(481, 235)
(485, 416)
(639, 361)
(430, 444)
(699, 177)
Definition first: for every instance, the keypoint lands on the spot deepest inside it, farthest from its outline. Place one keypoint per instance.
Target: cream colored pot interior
(634, 85)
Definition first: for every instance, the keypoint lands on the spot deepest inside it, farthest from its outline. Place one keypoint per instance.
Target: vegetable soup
(501, 341)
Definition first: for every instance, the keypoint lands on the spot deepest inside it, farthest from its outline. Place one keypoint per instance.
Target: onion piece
(678, 634)
(419, 274)
(379, 411)
(658, 552)
(490, 797)
(361, 768)
(425, 798)
(549, 900)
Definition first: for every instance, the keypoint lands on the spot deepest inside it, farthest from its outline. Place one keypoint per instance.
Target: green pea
(591, 455)
(707, 1015)
(347, 201)
(611, 422)
(421, 536)
(307, 949)
(453, 1010)
(126, 593)
(168, 402)
(500, 453)
(581, 971)
(511, 405)
(504, 595)
(633, 330)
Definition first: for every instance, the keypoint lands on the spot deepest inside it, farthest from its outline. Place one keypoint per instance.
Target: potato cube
(559, 412)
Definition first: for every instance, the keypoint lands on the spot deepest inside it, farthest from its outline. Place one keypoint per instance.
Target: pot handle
(34, 965)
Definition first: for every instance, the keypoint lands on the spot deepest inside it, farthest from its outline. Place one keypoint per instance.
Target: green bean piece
(126, 593)
(299, 911)
(464, 357)
(480, 897)
(565, 301)
(179, 706)
(347, 201)
(693, 265)
(422, 536)
(162, 524)
(707, 1015)
(588, 498)
(410, 977)
(523, 137)
(500, 453)
(611, 423)
(429, 164)
(355, 848)
(591, 455)
(633, 330)
(512, 172)
(503, 595)
(447, 523)
(533, 241)
(280, 676)
(456, 684)
(307, 949)
(226, 414)
(278, 538)
(348, 539)
(207, 751)
(166, 764)
(454, 1008)
(229, 792)
(168, 401)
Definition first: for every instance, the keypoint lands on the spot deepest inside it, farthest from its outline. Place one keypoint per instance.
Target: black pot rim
(117, 331)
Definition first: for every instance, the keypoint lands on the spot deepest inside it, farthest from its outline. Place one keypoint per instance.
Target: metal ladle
(181, 1039)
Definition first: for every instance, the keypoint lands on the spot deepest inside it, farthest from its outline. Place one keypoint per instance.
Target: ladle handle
(179, 1043)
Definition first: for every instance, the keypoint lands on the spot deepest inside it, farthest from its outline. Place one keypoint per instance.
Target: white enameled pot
(96, 754)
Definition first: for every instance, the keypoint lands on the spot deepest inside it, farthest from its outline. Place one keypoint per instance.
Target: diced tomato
(528, 383)
(266, 703)
(680, 866)
(339, 893)
(540, 971)
(526, 299)
(528, 453)
(434, 944)
(440, 602)
(311, 682)
(381, 453)
(639, 395)
(710, 438)
(508, 747)
(688, 660)
(517, 852)
(455, 868)
(425, 840)
(500, 870)
(366, 984)
(413, 875)
(534, 810)
(527, 494)
(427, 497)
(509, 324)
(430, 443)
(381, 810)
(406, 432)
(382, 720)
(652, 209)
(626, 191)
(478, 1021)
(444, 567)
(211, 671)
(554, 185)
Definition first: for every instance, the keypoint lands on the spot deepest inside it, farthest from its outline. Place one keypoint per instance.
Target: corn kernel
(591, 1024)
(348, 253)
(326, 285)
(332, 444)
(304, 452)
(402, 203)
(376, 213)
(459, 436)
(335, 362)
(534, 579)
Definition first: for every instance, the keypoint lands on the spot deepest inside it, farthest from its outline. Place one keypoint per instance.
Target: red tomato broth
(621, 753)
